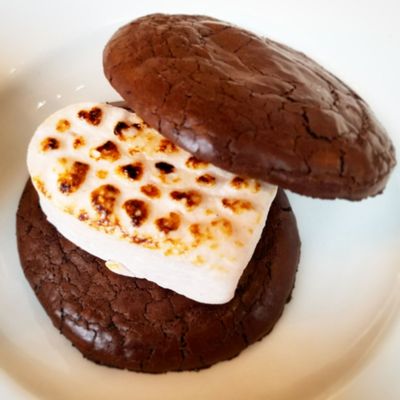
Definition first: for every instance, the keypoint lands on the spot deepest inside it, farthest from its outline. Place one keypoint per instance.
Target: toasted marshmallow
(122, 192)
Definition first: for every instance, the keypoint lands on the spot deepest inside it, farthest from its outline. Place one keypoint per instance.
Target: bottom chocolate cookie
(135, 324)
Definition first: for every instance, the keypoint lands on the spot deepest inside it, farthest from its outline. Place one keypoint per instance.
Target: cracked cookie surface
(249, 105)
(133, 323)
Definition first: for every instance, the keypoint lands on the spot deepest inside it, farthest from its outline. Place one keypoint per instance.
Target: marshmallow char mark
(63, 125)
(239, 183)
(50, 143)
(206, 179)
(120, 127)
(137, 211)
(223, 225)
(167, 147)
(78, 142)
(103, 201)
(190, 198)
(194, 163)
(73, 177)
(150, 190)
(169, 223)
(107, 151)
(164, 167)
(92, 116)
(133, 171)
(237, 206)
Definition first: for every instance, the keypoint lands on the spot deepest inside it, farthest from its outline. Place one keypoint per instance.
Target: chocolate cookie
(135, 324)
(249, 105)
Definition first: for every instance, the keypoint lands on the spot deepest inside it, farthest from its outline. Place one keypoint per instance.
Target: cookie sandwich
(156, 234)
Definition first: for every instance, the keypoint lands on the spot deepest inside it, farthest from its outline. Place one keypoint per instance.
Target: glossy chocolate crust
(249, 105)
(134, 324)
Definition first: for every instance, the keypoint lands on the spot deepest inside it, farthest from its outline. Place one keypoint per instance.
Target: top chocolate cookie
(249, 105)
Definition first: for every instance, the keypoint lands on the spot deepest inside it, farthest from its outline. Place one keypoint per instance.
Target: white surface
(336, 339)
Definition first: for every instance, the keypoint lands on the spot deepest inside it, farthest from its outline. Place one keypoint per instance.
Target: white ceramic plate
(347, 287)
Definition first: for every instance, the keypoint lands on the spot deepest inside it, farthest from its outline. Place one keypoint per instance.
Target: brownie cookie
(249, 105)
(135, 324)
